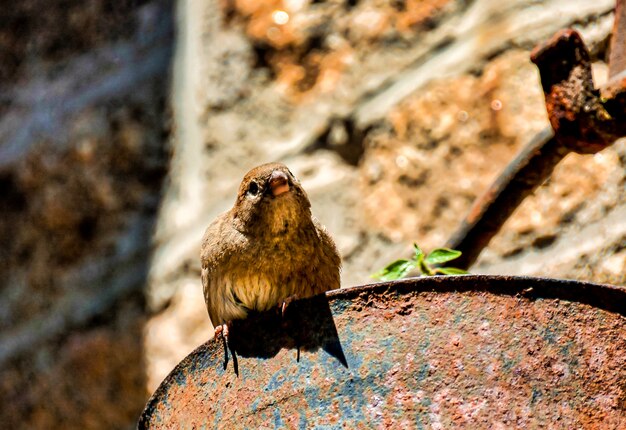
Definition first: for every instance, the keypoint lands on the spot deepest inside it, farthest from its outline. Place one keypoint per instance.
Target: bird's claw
(285, 303)
(221, 331)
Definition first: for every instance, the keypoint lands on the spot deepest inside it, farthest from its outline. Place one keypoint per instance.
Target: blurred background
(125, 128)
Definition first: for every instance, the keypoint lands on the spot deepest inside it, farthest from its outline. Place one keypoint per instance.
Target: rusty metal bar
(617, 58)
(518, 180)
(584, 120)
(447, 352)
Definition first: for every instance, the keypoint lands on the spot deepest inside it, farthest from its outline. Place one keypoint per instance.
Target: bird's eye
(253, 189)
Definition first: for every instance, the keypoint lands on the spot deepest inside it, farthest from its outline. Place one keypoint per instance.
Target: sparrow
(265, 251)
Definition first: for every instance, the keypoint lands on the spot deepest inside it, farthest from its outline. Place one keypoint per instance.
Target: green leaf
(419, 261)
(423, 267)
(442, 255)
(418, 251)
(396, 270)
(451, 271)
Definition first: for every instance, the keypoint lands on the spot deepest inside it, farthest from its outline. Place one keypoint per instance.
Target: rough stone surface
(91, 378)
(83, 127)
(394, 114)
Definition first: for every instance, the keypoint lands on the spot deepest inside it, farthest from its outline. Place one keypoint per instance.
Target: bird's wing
(214, 251)
(221, 245)
(330, 258)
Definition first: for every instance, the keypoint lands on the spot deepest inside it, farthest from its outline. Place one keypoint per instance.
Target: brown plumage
(266, 250)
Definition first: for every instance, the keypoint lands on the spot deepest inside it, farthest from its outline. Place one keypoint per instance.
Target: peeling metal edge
(608, 297)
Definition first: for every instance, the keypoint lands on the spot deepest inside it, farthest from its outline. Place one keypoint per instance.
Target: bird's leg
(285, 323)
(222, 330)
(217, 331)
(285, 303)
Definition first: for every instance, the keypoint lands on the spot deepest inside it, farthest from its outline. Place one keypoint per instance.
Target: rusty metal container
(442, 352)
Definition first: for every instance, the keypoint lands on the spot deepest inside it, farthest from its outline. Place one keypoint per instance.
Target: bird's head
(271, 201)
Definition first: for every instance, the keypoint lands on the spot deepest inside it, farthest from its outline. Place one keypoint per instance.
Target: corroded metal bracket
(584, 119)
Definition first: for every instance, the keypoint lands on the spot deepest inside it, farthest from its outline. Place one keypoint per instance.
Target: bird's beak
(279, 183)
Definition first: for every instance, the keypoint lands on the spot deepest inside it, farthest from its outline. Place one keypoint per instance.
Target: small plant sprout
(425, 265)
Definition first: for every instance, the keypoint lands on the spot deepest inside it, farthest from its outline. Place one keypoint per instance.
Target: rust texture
(581, 120)
(584, 119)
(617, 59)
(491, 210)
(438, 352)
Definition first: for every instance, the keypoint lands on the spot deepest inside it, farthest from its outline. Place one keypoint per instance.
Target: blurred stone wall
(83, 132)
(394, 114)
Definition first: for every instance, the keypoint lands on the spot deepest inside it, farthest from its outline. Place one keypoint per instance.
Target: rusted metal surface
(583, 122)
(584, 119)
(441, 352)
(491, 210)
(617, 59)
